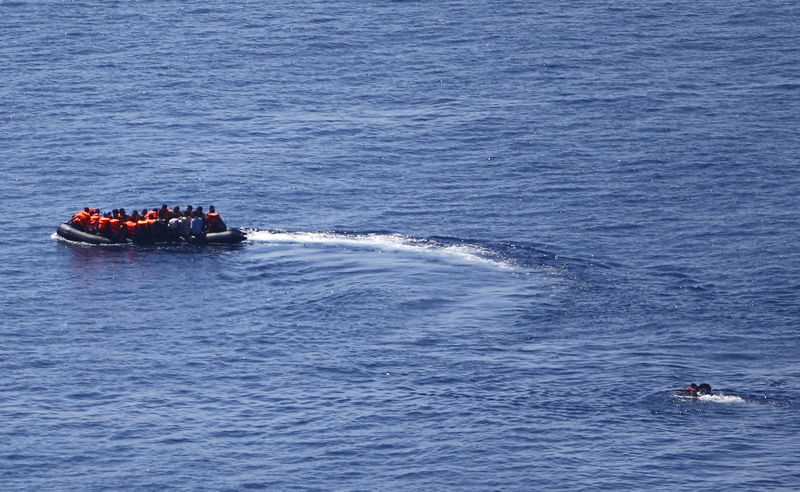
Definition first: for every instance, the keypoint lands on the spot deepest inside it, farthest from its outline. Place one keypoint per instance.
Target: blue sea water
(486, 240)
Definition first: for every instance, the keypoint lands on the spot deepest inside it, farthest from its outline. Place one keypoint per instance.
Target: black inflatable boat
(229, 236)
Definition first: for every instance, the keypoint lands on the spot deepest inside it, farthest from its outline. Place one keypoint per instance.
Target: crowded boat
(149, 226)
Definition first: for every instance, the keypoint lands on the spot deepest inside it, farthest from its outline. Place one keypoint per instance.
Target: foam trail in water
(382, 242)
(722, 398)
(714, 398)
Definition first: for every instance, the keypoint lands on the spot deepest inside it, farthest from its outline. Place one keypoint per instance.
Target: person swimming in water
(696, 390)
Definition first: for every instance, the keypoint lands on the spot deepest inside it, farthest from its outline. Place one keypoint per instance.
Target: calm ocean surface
(486, 240)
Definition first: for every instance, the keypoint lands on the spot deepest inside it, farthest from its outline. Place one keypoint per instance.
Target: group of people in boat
(157, 224)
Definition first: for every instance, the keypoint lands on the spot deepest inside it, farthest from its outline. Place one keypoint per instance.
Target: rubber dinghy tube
(72, 233)
(229, 236)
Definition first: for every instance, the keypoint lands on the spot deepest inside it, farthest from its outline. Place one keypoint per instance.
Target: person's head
(693, 386)
(164, 206)
(115, 212)
(135, 215)
(200, 210)
(107, 214)
(86, 209)
(189, 208)
(122, 212)
(144, 211)
(176, 209)
(211, 209)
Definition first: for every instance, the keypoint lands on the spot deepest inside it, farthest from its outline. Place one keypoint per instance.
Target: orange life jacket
(130, 227)
(212, 219)
(93, 220)
(102, 224)
(80, 217)
(114, 225)
(151, 215)
(142, 225)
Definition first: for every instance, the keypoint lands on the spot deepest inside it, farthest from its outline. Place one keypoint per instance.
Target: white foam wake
(714, 398)
(722, 398)
(397, 243)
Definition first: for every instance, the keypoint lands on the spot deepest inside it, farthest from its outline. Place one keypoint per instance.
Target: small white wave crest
(722, 398)
(397, 243)
(719, 398)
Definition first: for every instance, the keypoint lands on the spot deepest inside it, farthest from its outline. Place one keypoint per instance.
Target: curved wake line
(383, 242)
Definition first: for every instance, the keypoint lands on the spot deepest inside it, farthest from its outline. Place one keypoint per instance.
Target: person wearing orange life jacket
(102, 225)
(81, 217)
(130, 227)
(213, 221)
(94, 220)
(80, 213)
(151, 218)
(115, 224)
(129, 224)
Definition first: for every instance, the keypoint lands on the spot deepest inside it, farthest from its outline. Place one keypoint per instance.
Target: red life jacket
(93, 220)
(151, 215)
(102, 223)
